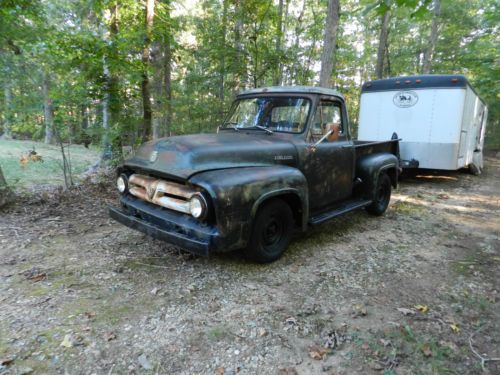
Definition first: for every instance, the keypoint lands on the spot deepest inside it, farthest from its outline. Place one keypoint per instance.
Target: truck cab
(283, 160)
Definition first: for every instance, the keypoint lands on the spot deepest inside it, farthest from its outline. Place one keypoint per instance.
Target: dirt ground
(413, 292)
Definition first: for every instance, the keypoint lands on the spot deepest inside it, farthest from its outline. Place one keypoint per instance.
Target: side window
(327, 114)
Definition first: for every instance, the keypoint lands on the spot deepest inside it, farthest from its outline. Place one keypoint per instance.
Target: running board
(350, 206)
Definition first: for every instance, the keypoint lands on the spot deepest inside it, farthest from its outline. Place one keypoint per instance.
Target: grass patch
(419, 352)
(218, 333)
(48, 172)
(407, 208)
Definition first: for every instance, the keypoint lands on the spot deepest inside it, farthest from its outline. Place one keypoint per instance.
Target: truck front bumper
(172, 227)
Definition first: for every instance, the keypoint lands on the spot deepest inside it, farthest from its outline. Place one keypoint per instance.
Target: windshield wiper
(226, 126)
(269, 131)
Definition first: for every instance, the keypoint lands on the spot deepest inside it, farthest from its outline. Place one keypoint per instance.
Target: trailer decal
(405, 99)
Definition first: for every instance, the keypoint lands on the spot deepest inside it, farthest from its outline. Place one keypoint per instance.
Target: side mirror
(314, 145)
(335, 128)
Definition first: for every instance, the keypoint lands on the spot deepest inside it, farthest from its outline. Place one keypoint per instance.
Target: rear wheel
(271, 232)
(382, 196)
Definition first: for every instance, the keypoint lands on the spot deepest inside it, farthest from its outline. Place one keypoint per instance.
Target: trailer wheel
(474, 169)
(382, 195)
(271, 232)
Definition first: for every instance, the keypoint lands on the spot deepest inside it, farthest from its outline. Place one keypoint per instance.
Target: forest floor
(413, 292)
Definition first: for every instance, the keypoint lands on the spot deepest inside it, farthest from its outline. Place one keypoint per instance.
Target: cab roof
(292, 90)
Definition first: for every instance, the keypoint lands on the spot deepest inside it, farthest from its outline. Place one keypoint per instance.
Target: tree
(279, 37)
(5, 191)
(382, 44)
(149, 12)
(7, 117)
(48, 108)
(429, 51)
(329, 43)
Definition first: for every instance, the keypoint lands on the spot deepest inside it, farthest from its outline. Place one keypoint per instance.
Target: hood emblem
(153, 156)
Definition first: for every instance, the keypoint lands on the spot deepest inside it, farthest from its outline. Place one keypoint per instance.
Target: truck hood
(184, 156)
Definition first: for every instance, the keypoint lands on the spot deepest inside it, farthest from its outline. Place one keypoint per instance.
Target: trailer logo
(405, 99)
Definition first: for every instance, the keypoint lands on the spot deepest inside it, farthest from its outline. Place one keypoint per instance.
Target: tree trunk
(146, 91)
(7, 120)
(5, 191)
(168, 85)
(85, 117)
(382, 45)
(429, 51)
(106, 153)
(279, 37)
(48, 109)
(240, 71)
(329, 43)
(110, 104)
(222, 64)
(294, 74)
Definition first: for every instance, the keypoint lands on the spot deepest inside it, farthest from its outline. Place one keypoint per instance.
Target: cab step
(339, 210)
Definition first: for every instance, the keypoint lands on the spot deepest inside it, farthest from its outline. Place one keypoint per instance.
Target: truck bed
(372, 147)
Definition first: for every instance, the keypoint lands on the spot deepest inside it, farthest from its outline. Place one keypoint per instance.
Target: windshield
(285, 114)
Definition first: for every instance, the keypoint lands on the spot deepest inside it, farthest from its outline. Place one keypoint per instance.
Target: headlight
(197, 206)
(122, 183)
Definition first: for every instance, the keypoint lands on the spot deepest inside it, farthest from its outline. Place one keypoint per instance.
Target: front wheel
(271, 232)
(382, 196)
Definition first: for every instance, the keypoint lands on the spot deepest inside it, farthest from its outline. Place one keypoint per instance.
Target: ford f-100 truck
(282, 161)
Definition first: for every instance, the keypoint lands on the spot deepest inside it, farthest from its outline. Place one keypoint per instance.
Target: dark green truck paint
(239, 170)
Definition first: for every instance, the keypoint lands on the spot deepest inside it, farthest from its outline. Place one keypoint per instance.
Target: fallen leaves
(110, 336)
(426, 350)
(318, 353)
(6, 361)
(422, 308)
(40, 277)
(34, 274)
(358, 310)
(287, 371)
(454, 326)
(70, 341)
(89, 314)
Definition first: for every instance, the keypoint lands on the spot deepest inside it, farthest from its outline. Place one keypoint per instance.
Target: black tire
(382, 196)
(271, 233)
(474, 169)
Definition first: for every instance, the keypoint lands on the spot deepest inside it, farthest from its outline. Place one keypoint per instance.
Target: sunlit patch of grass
(407, 208)
(48, 172)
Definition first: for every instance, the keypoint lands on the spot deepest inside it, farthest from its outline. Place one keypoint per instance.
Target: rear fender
(368, 169)
(237, 193)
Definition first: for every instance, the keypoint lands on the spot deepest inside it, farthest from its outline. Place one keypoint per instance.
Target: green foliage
(216, 49)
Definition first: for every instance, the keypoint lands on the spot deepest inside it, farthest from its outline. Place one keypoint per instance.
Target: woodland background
(118, 72)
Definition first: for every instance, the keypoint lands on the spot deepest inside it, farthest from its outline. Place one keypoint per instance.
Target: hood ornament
(153, 156)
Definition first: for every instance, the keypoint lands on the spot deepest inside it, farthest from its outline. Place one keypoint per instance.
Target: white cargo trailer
(440, 119)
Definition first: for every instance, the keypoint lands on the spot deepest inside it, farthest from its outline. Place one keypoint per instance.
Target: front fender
(368, 169)
(237, 193)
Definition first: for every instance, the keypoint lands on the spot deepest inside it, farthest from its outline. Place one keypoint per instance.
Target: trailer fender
(369, 168)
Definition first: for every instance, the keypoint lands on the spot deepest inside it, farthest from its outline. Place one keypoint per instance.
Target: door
(329, 166)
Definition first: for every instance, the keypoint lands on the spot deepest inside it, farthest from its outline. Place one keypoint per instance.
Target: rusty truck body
(283, 160)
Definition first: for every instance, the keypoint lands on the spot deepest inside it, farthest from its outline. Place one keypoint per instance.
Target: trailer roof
(293, 90)
(417, 82)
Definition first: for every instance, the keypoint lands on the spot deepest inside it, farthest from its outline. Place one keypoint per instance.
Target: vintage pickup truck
(282, 161)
